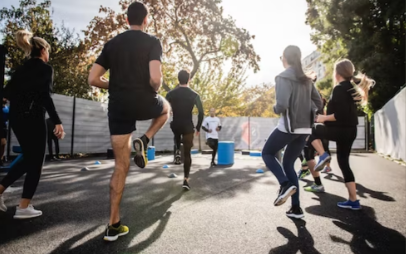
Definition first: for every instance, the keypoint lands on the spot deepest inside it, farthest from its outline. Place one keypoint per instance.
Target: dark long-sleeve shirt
(343, 106)
(29, 91)
(182, 101)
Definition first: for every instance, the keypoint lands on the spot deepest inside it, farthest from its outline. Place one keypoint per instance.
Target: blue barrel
(225, 153)
(151, 153)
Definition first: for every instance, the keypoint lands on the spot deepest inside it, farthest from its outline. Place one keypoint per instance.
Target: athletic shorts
(212, 142)
(126, 125)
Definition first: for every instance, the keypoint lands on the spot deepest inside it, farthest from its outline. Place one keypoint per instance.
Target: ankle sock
(317, 181)
(145, 139)
(116, 225)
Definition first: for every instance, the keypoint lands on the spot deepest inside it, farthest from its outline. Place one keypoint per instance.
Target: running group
(134, 59)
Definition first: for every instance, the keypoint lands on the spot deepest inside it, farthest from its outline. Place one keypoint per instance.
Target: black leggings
(31, 134)
(213, 144)
(50, 138)
(344, 138)
(187, 140)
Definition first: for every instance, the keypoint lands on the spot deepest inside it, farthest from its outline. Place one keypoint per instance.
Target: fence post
(367, 133)
(72, 126)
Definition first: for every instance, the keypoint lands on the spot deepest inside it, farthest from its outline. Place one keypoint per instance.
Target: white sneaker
(27, 213)
(3, 207)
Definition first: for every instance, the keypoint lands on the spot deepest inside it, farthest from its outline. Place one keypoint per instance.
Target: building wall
(312, 62)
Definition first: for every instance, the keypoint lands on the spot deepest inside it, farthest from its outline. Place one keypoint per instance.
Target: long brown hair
(293, 56)
(31, 46)
(361, 83)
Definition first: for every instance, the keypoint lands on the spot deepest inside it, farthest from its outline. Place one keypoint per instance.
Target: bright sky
(275, 24)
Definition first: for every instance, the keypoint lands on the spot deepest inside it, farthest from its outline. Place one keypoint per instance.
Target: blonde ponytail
(31, 46)
(362, 85)
(23, 39)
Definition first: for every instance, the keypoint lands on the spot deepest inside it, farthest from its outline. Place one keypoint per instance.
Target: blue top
(5, 114)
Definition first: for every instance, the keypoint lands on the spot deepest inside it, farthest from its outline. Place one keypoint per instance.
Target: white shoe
(3, 207)
(27, 213)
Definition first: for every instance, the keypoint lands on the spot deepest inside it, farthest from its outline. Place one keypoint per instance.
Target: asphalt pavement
(227, 210)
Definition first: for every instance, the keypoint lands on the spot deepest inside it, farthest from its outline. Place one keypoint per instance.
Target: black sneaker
(113, 233)
(295, 212)
(177, 159)
(185, 185)
(213, 164)
(140, 146)
(284, 193)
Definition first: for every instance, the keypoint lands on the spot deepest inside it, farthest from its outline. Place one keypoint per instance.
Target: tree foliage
(192, 32)
(371, 33)
(259, 100)
(68, 55)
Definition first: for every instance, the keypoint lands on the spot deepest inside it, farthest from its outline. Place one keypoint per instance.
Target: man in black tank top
(182, 100)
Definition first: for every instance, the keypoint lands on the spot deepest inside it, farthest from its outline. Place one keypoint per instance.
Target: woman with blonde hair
(29, 93)
(340, 123)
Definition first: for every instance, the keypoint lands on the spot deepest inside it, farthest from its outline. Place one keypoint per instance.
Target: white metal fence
(87, 120)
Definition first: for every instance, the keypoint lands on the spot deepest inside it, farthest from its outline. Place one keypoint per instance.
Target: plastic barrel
(151, 153)
(225, 153)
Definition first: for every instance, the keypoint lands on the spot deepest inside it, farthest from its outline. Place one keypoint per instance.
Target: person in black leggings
(182, 100)
(50, 139)
(340, 123)
(29, 94)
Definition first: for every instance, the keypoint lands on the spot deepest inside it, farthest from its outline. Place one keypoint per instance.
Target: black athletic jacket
(29, 91)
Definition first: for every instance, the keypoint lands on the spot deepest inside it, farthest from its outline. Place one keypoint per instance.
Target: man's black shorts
(121, 125)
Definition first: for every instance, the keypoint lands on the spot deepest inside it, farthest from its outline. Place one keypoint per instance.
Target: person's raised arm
(95, 77)
(155, 58)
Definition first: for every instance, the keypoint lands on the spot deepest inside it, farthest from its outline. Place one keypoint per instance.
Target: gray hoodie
(296, 102)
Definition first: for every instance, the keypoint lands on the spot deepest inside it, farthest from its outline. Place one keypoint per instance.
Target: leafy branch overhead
(192, 32)
(369, 32)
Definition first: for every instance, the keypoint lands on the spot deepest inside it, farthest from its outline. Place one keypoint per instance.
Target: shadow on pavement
(361, 190)
(302, 243)
(79, 201)
(368, 236)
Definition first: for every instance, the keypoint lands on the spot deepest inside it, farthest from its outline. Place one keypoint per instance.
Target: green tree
(192, 32)
(68, 54)
(259, 101)
(371, 33)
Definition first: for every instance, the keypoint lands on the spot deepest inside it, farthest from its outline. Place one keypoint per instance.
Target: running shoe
(327, 169)
(113, 233)
(140, 146)
(315, 188)
(304, 164)
(177, 160)
(185, 185)
(295, 212)
(26, 213)
(350, 205)
(303, 173)
(284, 193)
(213, 164)
(322, 162)
(3, 207)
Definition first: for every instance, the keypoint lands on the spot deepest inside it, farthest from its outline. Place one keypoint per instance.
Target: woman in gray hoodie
(295, 97)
